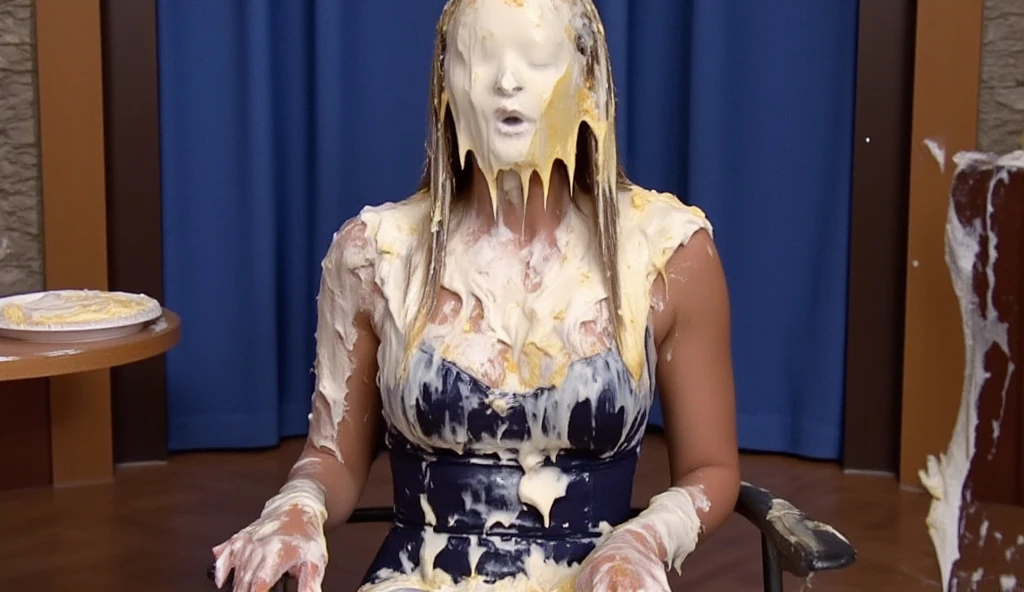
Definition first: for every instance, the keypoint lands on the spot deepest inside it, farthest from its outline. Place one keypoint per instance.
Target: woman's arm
(340, 459)
(346, 413)
(326, 482)
(695, 378)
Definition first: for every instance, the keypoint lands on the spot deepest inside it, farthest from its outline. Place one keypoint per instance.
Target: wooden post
(69, 53)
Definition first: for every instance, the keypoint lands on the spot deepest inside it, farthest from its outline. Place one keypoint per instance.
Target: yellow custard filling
(75, 308)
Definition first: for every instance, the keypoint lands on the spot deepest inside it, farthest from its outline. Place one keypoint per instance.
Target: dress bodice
(495, 483)
(486, 482)
(597, 410)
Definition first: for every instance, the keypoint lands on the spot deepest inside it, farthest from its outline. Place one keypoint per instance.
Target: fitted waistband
(473, 495)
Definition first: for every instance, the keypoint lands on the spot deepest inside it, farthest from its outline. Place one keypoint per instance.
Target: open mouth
(511, 122)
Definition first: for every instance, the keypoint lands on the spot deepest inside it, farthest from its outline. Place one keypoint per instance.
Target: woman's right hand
(285, 540)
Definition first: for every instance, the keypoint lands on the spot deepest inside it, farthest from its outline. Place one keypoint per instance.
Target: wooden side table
(81, 431)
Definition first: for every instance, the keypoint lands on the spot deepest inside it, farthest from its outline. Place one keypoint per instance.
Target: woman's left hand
(634, 557)
(626, 561)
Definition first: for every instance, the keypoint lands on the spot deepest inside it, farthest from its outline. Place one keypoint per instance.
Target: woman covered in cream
(509, 322)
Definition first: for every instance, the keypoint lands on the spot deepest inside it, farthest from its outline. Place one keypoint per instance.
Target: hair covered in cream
(575, 123)
(518, 89)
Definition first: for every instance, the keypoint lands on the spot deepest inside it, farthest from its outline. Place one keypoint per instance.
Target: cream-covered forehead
(479, 17)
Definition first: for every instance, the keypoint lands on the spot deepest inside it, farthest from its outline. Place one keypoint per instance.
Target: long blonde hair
(598, 173)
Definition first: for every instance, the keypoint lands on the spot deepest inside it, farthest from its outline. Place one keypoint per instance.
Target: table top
(25, 359)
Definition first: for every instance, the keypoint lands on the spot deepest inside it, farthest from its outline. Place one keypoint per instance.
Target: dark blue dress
(456, 449)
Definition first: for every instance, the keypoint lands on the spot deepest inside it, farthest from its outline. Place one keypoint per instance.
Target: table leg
(81, 432)
(25, 434)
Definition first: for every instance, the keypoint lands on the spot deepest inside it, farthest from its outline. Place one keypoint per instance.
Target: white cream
(75, 309)
(673, 516)
(476, 551)
(1012, 160)
(300, 502)
(346, 290)
(945, 476)
(976, 577)
(514, 315)
(510, 338)
(541, 487)
(539, 575)
(635, 554)
(938, 153)
(158, 326)
(433, 543)
(518, 59)
(58, 353)
(513, 339)
(795, 526)
(428, 511)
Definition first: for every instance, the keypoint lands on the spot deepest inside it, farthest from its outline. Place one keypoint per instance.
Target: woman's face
(512, 81)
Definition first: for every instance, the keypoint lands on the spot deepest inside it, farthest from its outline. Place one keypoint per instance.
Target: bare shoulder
(695, 285)
(696, 259)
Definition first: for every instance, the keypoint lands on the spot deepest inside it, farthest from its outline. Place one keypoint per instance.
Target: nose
(508, 83)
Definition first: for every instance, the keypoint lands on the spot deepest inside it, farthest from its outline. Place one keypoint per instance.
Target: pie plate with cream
(75, 315)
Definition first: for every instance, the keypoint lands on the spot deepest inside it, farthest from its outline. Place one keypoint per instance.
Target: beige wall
(1001, 99)
(946, 75)
(21, 254)
(969, 94)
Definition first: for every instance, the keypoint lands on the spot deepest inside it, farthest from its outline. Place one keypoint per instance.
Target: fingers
(266, 571)
(224, 564)
(617, 567)
(252, 572)
(262, 553)
(244, 569)
(311, 576)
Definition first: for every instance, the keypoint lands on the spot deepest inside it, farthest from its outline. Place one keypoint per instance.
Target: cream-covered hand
(634, 556)
(288, 537)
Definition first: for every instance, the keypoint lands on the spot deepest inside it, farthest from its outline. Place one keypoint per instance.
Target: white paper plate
(102, 323)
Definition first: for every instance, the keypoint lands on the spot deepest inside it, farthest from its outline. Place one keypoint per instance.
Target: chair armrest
(372, 514)
(805, 546)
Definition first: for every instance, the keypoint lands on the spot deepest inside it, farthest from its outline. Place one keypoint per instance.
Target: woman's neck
(523, 211)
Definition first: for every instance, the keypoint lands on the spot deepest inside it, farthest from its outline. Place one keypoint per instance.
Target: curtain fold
(770, 157)
(280, 120)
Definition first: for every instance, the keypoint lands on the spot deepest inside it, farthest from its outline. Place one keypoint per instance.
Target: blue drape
(282, 119)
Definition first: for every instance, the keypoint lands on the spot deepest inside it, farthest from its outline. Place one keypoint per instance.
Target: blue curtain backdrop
(282, 119)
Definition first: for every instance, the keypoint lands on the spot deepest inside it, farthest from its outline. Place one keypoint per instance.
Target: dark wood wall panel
(878, 221)
(134, 213)
(25, 434)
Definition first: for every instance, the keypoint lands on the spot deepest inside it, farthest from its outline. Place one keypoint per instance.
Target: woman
(509, 321)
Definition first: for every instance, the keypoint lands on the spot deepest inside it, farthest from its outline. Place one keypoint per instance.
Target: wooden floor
(152, 531)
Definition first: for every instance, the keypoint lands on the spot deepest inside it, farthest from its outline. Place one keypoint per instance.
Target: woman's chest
(516, 320)
(596, 409)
